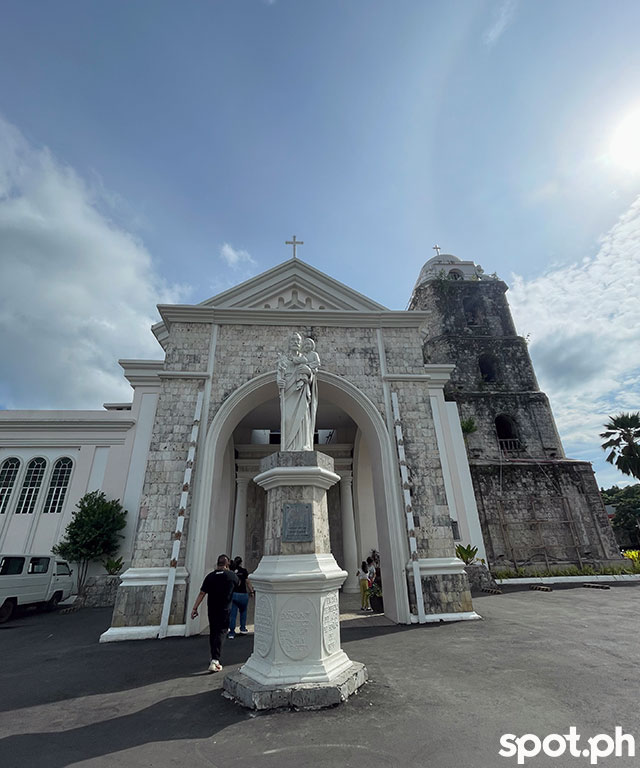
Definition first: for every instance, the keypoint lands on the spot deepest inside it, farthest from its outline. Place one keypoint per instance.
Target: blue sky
(155, 151)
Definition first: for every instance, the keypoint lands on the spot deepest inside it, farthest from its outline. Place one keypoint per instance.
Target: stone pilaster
(238, 544)
(349, 545)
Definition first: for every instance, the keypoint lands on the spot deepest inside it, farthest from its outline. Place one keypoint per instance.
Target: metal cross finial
(436, 248)
(294, 243)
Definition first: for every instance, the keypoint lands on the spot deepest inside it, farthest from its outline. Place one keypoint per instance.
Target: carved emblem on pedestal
(296, 627)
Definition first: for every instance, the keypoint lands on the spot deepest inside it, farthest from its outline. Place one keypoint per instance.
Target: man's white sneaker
(215, 666)
(243, 631)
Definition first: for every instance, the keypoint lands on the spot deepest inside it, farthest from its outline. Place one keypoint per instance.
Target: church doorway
(364, 507)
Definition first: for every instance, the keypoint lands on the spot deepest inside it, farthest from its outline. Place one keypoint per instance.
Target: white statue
(298, 387)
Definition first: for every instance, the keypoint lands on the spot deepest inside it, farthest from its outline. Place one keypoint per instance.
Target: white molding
(183, 375)
(65, 421)
(571, 579)
(288, 274)
(141, 373)
(187, 313)
(152, 577)
(436, 376)
(435, 566)
(148, 632)
(434, 618)
(60, 442)
(140, 363)
(317, 573)
(315, 476)
(439, 374)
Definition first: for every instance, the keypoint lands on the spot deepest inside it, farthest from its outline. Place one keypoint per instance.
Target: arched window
(8, 473)
(58, 485)
(455, 274)
(31, 486)
(508, 433)
(471, 309)
(488, 367)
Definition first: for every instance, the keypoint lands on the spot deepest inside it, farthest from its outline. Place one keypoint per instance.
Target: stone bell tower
(537, 508)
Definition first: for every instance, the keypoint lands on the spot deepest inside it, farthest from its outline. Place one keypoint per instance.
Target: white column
(349, 545)
(238, 541)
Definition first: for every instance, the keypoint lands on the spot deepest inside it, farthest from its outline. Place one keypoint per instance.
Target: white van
(32, 579)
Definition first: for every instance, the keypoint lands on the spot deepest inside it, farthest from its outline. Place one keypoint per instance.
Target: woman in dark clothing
(240, 602)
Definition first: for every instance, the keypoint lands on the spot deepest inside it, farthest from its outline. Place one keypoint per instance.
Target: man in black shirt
(218, 586)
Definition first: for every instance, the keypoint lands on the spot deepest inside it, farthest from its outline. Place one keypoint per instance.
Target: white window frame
(34, 497)
(5, 500)
(54, 505)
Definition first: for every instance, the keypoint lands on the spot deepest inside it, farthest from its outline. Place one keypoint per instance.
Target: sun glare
(625, 144)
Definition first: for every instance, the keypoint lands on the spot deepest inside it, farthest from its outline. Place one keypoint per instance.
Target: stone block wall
(531, 412)
(512, 496)
(100, 591)
(431, 517)
(142, 606)
(464, 306)
(443, 593)
(165, 473)
(187, 348)
(513, 365)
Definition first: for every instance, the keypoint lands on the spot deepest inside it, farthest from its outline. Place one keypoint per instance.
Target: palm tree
(622, 436)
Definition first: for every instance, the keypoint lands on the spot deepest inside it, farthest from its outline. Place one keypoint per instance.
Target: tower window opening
(455, 274)
(508, 434)
(471, 309)
(488, 368)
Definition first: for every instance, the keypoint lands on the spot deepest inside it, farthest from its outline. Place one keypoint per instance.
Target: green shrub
(570, 570)
(93, 533)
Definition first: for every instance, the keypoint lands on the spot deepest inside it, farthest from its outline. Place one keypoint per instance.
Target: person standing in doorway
(371, 570)
(218, 588)
(240, 601)
(363, 580)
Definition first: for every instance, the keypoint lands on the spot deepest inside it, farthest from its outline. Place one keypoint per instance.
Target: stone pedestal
(297, 659)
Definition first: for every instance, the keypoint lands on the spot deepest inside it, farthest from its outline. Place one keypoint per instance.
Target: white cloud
(235, 257)
(585, 336)
(502, 17)
(76, 291)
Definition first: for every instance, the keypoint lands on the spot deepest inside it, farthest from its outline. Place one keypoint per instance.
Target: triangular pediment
(293, 285)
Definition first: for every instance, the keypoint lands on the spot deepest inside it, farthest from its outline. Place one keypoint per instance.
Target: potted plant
(375, 596)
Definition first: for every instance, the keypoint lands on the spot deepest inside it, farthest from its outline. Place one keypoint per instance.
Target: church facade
(395, 392)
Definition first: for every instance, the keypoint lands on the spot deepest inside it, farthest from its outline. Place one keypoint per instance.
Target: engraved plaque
(297, 522)
(296, 624)
(263, 625)
(331, 623)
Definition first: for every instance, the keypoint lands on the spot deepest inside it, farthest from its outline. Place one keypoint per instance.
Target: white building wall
(95, 441)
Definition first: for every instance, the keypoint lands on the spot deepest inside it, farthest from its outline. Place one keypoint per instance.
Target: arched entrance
(211, 524)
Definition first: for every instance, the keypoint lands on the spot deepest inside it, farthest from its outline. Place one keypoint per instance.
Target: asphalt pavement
(439, 695)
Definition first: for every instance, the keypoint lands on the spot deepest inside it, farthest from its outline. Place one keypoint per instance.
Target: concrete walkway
(440, 695)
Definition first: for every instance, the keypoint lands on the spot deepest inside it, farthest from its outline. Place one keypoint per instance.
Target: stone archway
(387, 495)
